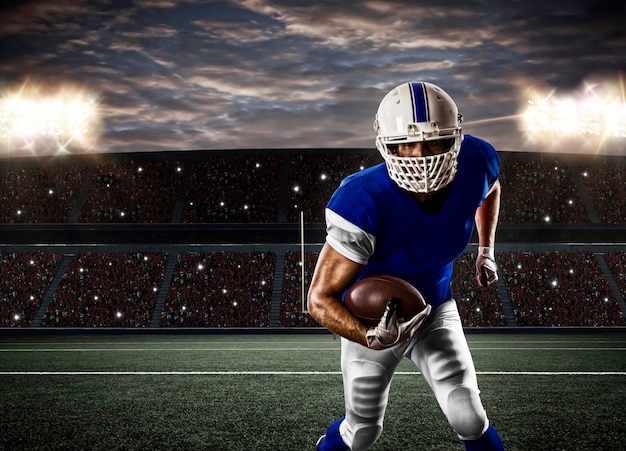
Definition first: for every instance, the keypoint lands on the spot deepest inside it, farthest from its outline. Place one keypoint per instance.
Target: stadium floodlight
(567, 116)
(598, 111)
(36, 121)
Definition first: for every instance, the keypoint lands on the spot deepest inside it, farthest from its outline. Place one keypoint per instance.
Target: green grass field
(279, 392)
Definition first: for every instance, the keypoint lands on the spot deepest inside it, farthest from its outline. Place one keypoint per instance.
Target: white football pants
(440, 352)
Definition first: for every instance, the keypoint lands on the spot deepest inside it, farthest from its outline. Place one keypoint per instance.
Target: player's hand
(486, 267)
(392, 330)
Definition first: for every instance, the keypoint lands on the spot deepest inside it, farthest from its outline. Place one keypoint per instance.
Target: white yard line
(289, 373)
(271, 349)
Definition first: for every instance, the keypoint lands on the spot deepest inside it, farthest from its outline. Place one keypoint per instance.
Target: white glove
(392, 330)
(486, 267)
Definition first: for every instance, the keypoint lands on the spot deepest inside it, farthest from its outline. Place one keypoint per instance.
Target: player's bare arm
(333, 274)
(486, 222)
(487, 217)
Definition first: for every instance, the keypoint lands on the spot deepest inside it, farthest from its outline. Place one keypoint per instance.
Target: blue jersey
(374, 222)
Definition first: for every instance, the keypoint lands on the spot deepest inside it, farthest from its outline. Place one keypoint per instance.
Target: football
(368, 298)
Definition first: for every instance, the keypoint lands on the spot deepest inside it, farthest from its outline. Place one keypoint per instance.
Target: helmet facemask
(421, 174)
(419, 112)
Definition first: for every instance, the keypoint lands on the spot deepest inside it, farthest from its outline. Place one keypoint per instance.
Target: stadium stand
(477, 306)
(538, 191)
(132, 192)
(107, 289)
(314, 177)
(606, 184)
(248, 188)
(233, 189)
(559, 288)
(616, 262)
(291, 312)
(39, 194)
(256, 197)
(220, 289)
(24, 280)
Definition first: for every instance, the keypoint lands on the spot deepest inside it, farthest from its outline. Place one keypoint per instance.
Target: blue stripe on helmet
(420, 101)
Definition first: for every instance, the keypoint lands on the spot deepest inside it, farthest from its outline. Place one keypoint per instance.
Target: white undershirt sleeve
(349, 240)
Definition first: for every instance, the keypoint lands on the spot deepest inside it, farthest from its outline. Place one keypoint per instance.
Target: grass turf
(212, 392)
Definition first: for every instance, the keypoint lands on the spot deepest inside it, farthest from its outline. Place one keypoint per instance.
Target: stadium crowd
(231, 289)
(41, 194)
(606, 184)
(247, 189)
(314, 178)
(220, 289)
(291, 312)
(477, 306)
(539, 192)
(107, 289)
(558, 289)
(25, 277)
(132, 192)
(234, 289)
(616, 262)
(233, 189)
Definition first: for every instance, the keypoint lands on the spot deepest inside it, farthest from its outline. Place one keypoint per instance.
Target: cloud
(285, 73)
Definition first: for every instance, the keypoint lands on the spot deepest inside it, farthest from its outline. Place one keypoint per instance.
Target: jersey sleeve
(348, 239)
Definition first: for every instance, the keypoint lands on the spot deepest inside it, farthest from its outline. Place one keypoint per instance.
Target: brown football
(368, 298)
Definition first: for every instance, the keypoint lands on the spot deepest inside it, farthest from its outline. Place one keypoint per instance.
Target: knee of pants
(366, 401)
(366, 386)
(365, 435)
(465, 413)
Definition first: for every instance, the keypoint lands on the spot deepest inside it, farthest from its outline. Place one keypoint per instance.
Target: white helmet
(417, 112)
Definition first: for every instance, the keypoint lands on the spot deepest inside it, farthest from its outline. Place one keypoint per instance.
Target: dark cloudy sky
(187, 75)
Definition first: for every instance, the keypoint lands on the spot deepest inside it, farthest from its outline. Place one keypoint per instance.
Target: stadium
(164, 173)
(155, 274)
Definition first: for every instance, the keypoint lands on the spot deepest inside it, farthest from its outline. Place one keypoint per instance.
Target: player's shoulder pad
(368, 186)
(480, 150)
(364, 176)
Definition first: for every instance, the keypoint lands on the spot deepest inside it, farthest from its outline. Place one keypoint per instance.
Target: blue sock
(489, 441)
(333, 441)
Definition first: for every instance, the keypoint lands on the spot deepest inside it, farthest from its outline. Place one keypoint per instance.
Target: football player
(409, 217)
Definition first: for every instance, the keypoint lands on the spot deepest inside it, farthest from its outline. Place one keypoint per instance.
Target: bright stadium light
(31, 120)
(569, 116)
(597, 111)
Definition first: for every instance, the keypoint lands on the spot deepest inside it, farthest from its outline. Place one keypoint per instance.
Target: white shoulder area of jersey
(349, 240)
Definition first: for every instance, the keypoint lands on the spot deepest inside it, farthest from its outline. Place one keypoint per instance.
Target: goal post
(303, 263)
